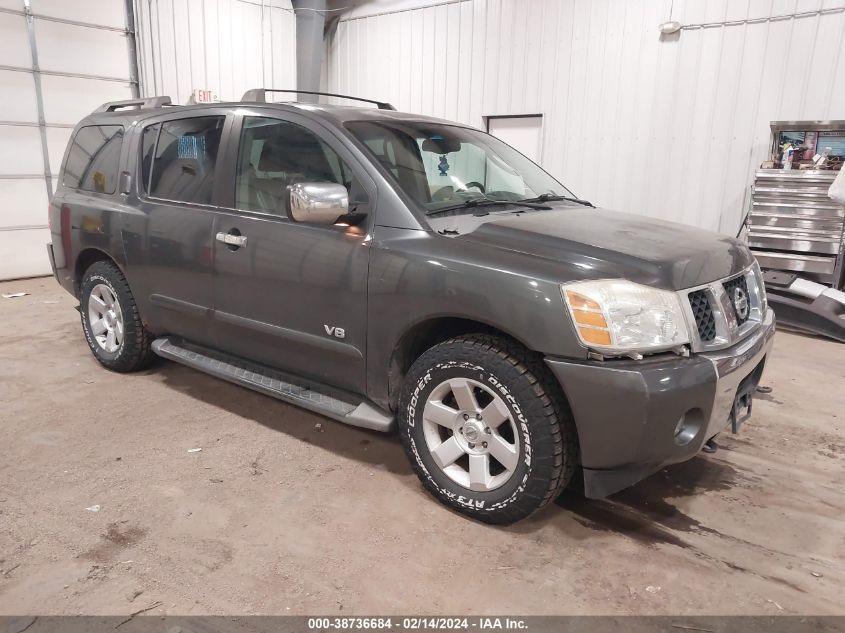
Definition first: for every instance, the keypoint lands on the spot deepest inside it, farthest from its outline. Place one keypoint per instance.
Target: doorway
(523, 132)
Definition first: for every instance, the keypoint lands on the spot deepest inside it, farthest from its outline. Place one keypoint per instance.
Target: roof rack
(148, 102)
(260, 95)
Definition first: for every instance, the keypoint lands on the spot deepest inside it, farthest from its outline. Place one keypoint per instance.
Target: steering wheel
(476, 184)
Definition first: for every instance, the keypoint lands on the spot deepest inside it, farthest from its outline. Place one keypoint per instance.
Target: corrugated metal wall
(227, 46)
(670, 127)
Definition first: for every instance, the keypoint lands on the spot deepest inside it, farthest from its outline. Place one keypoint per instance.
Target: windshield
(445, 167)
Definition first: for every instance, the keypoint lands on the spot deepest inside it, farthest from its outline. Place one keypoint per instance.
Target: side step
(333, 403)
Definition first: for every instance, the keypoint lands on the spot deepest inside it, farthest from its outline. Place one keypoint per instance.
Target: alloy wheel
(471, 434)
(105, 318)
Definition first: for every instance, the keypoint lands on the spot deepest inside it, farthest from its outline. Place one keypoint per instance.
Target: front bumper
(626, 411)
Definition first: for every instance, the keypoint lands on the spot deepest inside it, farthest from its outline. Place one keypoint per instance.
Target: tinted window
(185, 157)
(93, 158)
(274, 154)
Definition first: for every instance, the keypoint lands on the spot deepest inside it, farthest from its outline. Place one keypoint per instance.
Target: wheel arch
(86, 258)
(425, 334)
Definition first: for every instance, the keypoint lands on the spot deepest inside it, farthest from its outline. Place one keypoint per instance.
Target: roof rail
(260, 95)
(148, 102)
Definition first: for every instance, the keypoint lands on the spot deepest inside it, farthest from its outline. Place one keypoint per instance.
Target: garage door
(58, 61)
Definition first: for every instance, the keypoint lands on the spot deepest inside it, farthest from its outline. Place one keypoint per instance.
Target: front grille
(737, 291)
(703, 313)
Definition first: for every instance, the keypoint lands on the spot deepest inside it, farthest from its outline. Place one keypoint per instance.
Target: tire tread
(556, 427)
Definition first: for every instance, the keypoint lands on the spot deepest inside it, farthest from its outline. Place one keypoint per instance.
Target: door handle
(232, 239)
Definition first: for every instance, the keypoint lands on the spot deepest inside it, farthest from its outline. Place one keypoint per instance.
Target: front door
(290, 295)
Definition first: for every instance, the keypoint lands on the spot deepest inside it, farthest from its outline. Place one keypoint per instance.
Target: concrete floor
(276, 515)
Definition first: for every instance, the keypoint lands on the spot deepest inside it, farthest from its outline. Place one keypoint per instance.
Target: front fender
(416, 276)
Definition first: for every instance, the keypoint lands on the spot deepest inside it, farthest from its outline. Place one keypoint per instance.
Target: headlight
(620, 317)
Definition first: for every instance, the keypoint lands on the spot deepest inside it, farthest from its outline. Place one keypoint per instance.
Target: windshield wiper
(485, 202)
(548, 197)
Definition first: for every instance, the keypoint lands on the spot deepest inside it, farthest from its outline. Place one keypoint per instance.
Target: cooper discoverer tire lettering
(485, 428)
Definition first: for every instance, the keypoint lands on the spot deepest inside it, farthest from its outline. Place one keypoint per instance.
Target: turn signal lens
(596, 319)
(580, 302)
(594, 336)
(587, 314)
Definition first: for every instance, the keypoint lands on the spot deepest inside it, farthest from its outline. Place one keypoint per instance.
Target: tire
(537, 428)
(130, 351)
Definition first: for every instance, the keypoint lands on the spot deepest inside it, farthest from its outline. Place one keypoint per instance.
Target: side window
(274, 154)
(383, 151)
(93, 158)
(185, 157)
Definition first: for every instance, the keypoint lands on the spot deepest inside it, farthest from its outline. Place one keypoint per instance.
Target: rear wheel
(111, 321)
(486, 429)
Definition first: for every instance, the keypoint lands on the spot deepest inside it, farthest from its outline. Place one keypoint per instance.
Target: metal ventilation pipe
(310, 21)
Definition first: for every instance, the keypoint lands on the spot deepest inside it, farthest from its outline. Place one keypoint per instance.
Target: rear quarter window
(93, 158)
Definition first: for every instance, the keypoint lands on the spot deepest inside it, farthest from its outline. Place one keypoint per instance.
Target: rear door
(293, 296)
(170, 247)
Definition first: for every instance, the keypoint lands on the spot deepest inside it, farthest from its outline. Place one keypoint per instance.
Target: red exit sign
(201, 95)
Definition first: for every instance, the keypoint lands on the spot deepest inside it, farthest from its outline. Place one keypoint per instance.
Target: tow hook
(710, 446)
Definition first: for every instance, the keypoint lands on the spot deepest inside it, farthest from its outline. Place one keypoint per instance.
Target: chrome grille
(702, 312)
(737, 291)
(725, 311)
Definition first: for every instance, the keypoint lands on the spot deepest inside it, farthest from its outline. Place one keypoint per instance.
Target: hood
(598, 243)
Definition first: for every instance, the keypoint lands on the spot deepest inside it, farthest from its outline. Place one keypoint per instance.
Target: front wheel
(485, 429)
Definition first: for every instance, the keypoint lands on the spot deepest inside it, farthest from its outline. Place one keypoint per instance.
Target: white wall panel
(20, 150)
(670, 128)
(80, 49)
(228, 46)
(75, 49)
(101, 12)
(68, 99)
(19, 102)
(25, 252)
(14, 45)
(24, 202)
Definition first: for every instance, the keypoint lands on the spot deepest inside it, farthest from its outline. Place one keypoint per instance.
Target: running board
(333, 403)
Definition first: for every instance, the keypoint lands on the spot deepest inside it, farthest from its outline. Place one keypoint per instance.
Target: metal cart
(797, 232)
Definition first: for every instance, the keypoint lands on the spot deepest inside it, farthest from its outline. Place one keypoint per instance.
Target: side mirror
(317, 202)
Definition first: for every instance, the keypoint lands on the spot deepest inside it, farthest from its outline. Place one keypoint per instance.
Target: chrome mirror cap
(317, 202)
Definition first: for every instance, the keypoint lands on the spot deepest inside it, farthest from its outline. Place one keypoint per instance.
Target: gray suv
(395, 270)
